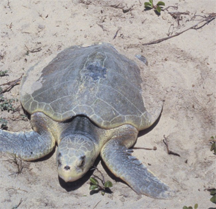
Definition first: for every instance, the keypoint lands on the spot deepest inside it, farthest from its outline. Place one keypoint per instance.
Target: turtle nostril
(67, 167)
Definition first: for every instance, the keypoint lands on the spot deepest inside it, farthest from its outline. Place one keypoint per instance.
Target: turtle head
(75, 155)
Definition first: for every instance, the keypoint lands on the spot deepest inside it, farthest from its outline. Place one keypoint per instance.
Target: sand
(181, 71)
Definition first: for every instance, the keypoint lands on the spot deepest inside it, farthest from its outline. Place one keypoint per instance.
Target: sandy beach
(181, 71)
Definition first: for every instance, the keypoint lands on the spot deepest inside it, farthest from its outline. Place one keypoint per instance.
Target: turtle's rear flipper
(120, 162)
(26, 145)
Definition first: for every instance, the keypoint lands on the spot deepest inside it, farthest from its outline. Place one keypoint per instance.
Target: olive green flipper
(120, 162)
(26, 145)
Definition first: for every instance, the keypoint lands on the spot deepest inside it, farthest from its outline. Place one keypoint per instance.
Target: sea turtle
(87, 100)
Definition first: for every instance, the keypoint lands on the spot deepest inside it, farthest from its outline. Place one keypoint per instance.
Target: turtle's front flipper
(120, 162)
(29, 145)
(26, 145)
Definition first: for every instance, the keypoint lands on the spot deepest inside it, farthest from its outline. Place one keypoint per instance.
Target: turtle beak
(67, 174)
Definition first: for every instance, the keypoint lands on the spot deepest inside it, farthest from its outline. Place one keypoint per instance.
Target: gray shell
(94, 81)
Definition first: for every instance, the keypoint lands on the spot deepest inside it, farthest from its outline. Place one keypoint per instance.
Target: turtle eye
(81, 161)
(59, 162)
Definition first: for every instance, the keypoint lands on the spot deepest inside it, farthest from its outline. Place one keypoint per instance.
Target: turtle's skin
(87, 100)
